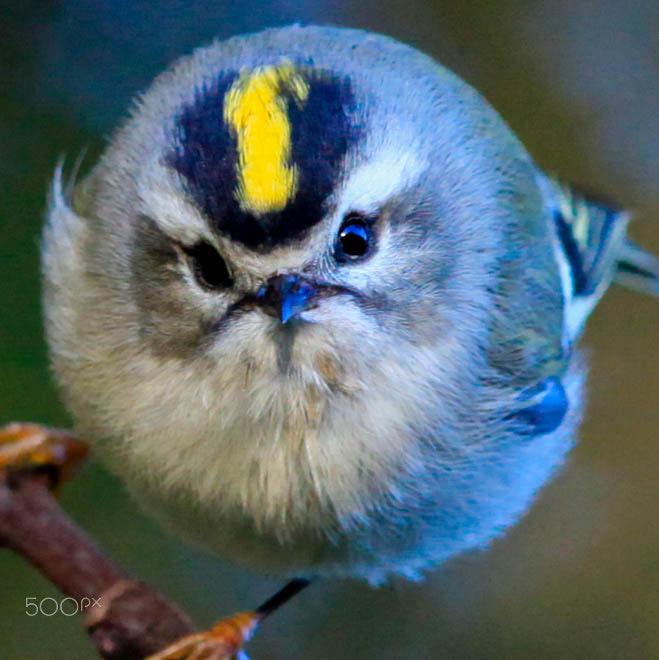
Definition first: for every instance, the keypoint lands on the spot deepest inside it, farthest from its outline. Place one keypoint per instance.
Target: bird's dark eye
(355, 239)
(208, 267)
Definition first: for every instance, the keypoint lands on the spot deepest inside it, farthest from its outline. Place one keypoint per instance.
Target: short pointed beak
(285, 296)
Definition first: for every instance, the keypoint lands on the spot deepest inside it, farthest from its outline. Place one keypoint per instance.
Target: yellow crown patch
(255, 108)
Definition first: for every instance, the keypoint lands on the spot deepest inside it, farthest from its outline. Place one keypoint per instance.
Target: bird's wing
(592, 251)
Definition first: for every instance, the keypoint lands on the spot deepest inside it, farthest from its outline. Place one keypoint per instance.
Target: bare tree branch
(124, 618)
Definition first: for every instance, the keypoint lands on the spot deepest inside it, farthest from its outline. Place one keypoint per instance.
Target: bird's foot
(30, 447)
(222, 642)
(225, 640)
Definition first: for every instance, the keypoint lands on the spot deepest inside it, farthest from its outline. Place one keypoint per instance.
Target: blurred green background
(578, 81)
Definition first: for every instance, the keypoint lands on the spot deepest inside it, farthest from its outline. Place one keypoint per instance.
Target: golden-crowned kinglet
(318, 306)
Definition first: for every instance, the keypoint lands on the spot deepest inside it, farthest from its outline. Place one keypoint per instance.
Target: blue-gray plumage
(320, 309)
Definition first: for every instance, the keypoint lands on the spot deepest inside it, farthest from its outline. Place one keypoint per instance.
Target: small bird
(319, 308)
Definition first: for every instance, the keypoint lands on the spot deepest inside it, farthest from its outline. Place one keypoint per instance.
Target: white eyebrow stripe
(173, 212)
(388, 172)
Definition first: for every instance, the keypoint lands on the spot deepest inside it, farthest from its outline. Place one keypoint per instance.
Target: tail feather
(637, 269)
